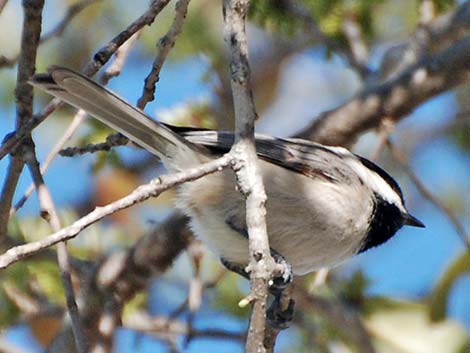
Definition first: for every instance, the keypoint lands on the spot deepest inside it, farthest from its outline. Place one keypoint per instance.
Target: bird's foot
(278, 317)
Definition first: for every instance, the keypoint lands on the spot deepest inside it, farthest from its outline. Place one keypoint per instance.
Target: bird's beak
(410, 220)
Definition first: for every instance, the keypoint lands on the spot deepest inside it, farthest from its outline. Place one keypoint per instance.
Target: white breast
(311, 222)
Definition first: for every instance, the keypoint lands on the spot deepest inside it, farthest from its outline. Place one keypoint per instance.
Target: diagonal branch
(394, 99)
(49, 213)
(163, 47)
(99, 59)
(142, 193)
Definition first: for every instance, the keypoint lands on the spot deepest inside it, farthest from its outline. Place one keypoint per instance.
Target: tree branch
(142, 193)
(99, 59)
(24, 98)
(49, 213)
(261, 266)
(394, 99)
(163, 48)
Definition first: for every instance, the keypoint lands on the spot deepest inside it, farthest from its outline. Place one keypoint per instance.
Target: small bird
(325, 204)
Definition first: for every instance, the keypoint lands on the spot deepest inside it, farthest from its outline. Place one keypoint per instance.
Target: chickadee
(325, 204)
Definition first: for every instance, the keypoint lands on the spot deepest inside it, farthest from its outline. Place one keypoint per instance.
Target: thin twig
(71, 12)
(296, 9)
(357, 46)
(49, 213)
(113, 70)
(163, 48)
(460, 230)
(341, 316)
(99, 59)
(141, 321)
(386, 128)
(76, 121)
(24, 98)
(8, 190)
(262, 265)
(142, 193)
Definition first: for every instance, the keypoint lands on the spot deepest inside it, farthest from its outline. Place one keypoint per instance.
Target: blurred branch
(163, 48)
(385, 129)
(24, 100)
(261, 266)
(341, 316)
(2, 5)
(118, 277)
(49, 213)
(429, 195)
(99, 59)
(357, 46)
(76, 121)
(142, 193)
(141, 321)
(296, 9)
(430, 36)
(394, 99)
(71, 12)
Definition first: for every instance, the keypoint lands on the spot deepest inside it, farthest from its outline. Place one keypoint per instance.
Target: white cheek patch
(377, 184)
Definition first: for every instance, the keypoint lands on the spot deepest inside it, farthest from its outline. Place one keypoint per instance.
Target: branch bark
(142, 193)
(393, 99)
(261, 266)
(24, 97)
(99, 59)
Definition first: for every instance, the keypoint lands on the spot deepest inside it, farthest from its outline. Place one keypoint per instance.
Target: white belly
(311, 227)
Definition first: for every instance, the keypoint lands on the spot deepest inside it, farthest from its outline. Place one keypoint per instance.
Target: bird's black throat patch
(385, 221)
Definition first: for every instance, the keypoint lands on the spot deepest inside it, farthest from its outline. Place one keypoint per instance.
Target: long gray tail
(83, 93)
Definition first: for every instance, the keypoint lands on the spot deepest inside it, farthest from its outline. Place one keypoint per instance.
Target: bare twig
(386, 128)
(76, 121)
(113, 140)
(163, 47)
(99, 59)
(295, 8)
(120, 58)
(24, 98)
(261, 266)
(113, 70)
(393, 99)
(430, 36)
(2, 4)
(49, 213)
(71, 12)
(357, 46)
(142, 193)
(141, 321)
(460, 230)
(8, 190)
(341, 316)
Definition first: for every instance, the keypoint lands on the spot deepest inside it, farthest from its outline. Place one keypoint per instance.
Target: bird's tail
(83, 93)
